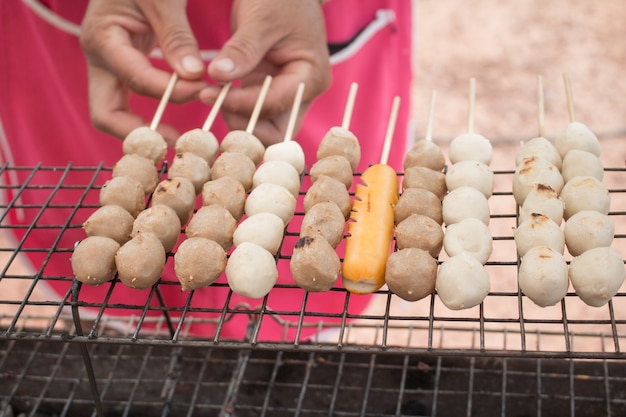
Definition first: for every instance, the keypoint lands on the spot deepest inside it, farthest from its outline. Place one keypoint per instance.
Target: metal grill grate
(505, 357)
(507, 323)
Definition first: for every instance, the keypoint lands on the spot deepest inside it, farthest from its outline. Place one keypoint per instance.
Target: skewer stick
(540, 104)
(164, 99)
(570, 98)
(431, 116)
(216, 108)
(347, 114)
(294, 113)
(470, 107)
(259, 104)
(390, 129)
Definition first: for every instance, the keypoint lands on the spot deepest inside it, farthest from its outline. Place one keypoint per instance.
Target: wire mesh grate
(506, 323)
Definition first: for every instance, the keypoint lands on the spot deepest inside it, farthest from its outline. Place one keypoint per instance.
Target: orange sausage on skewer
(370, 234)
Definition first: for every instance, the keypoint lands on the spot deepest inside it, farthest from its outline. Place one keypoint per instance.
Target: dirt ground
(505, 46)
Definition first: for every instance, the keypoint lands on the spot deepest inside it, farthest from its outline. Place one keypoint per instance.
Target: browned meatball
(418, 201)
(328, 189)
(226, 192)
(236, 165)
(411, 274)
(315, 266)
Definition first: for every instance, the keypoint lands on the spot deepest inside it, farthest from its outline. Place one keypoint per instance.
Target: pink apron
(44, 120)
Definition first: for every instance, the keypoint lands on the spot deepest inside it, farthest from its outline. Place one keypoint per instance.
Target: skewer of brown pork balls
(596, 270)
(141, 260)
(542, 275)
(121, 198)
(411, 270)
(251, 270)
(315, 265)
(465, 210)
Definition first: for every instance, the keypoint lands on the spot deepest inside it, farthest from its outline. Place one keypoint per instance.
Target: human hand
(117, 36)
(283, 38)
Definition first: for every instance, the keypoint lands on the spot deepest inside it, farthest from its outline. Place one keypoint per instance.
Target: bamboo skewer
(390, 129)
(291, 125)
(164, 99)
(540, 105)
(259, 104)
(347, 114)
(216, 108)
(431, 116)
(570, 98)
(470, 106)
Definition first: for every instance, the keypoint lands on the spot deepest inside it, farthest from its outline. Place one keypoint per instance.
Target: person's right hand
(117, 36)
(282, 38)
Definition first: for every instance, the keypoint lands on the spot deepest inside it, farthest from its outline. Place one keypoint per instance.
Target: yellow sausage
(370, 233)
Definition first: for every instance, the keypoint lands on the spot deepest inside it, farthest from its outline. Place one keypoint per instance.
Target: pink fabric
(44, 111)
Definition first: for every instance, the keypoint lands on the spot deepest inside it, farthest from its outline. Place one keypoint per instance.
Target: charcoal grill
(505, 357)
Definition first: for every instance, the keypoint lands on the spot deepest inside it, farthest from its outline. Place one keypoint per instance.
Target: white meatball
(588, 229)
(597, 275)
(472, 174)
(197, 141)
(289, 151)
(538, 230)
(585, 193)
(271, 198)
(543, 276)
(539, 147)
(264, 229)
(279, 173)
(533, 171)
(462, 282)
(542, 199)
(470, 146)
(463, 203)
(577, 163)
(577, 136)
(251, 271)
(471, 236)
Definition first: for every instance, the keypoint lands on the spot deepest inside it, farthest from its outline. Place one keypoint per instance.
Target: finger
(243, 51)
(133, 69)
(279, 99)
(173, 32)
(109, 110)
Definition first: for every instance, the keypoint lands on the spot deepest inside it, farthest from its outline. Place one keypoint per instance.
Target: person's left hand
(282, 38)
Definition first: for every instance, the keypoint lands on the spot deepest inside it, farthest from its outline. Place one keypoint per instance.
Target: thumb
(173, 32)
(240, 54)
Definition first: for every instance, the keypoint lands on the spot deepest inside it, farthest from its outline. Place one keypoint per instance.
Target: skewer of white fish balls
(467, 239)
(251, 270)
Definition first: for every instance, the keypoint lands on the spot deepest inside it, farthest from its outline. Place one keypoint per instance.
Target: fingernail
(223, 65)
(192, 64)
